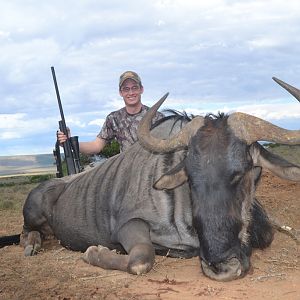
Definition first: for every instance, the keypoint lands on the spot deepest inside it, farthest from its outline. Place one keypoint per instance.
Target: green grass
(26, 179)
(289, 152)
(14, 190)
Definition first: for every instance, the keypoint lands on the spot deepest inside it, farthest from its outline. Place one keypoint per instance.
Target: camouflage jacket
(122, 126)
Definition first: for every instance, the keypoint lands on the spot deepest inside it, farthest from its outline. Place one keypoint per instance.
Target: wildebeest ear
(172, 179)
(274, 163)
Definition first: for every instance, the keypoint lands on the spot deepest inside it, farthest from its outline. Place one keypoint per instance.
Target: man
(121, 124)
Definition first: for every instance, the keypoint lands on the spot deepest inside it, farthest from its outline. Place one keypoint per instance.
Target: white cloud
(14, 126)
(205, 53)
(98, 122)
(262, 42)
(9, 135)
(11, 120)
(270, 111)
(277, 111)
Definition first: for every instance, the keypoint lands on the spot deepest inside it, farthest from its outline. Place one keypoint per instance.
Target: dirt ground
(57, 273)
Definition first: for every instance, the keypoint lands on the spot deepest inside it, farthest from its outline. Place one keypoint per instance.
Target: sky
(216, 55)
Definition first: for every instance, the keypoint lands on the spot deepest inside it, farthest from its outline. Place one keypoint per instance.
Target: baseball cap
(130, 75)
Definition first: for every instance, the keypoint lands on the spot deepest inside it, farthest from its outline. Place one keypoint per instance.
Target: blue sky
(211, 56)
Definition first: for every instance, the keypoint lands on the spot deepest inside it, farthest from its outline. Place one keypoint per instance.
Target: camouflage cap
(130, 75)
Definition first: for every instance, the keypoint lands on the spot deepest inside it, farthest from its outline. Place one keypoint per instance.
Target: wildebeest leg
(31, 241)
(36, 211)
(134, 236)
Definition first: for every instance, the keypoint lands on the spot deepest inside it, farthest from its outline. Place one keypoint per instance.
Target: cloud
(272, 112)
(205, 53)
(98, 122)
(265, 111)
(14, 126)
(11, 120)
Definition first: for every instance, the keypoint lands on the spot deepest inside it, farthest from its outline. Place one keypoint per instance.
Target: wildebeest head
(222, 166)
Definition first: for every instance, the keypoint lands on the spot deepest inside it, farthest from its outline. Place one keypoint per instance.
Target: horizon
(264, 143)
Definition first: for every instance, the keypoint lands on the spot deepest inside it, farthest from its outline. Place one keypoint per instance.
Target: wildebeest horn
(176, 142)
(251, 129)
(292, 90)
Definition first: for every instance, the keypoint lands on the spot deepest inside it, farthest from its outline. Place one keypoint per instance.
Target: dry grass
(13, 197)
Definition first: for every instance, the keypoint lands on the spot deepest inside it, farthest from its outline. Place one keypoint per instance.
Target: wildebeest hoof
(101, 248)
(90, 252)
(141, 259)
(139, 269)
(97, 256)
(31, 250)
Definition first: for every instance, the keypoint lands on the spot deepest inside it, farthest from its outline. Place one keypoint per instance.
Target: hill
(27, 164)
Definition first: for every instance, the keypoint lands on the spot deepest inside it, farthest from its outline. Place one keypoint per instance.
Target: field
(57, 273)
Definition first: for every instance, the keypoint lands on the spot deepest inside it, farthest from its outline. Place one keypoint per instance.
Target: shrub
(111, 149)
(39, 178)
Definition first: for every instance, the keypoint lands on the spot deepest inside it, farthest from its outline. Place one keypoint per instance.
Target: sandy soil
(57, 273)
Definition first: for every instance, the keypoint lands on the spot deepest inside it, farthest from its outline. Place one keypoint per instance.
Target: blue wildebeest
(189, 190)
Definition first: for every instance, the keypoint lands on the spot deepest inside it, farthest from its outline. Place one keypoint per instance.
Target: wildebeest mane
(184, 116)
(216, 119)
(172, 114)
(219, 115)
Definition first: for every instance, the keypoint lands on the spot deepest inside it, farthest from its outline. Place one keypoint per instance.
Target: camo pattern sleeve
(122, 126)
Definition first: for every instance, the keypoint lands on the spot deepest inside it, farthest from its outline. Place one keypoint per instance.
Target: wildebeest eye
(235, 178)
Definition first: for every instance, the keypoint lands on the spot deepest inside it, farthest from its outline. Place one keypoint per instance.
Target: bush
(2, 184)
(40, 178)
(271, 145)
(84, 159)
(111, 149)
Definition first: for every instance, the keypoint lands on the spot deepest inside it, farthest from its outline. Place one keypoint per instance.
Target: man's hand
(61, 137)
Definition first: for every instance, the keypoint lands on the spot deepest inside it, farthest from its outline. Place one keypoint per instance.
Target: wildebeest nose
(224, 271)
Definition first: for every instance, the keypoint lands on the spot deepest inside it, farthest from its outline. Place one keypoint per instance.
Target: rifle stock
(70, 146)
(58, 162)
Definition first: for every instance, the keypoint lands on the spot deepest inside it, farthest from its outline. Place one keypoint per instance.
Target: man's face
(131, 92)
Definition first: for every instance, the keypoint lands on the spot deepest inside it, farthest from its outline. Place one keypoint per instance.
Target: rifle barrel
(69, 155)
(64, 127)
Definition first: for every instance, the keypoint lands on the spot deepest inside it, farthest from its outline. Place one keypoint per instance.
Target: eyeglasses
(127, 89)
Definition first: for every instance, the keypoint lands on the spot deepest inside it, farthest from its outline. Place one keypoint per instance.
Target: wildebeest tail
(9, 240)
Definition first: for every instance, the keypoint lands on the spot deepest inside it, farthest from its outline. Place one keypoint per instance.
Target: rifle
(70, 146)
